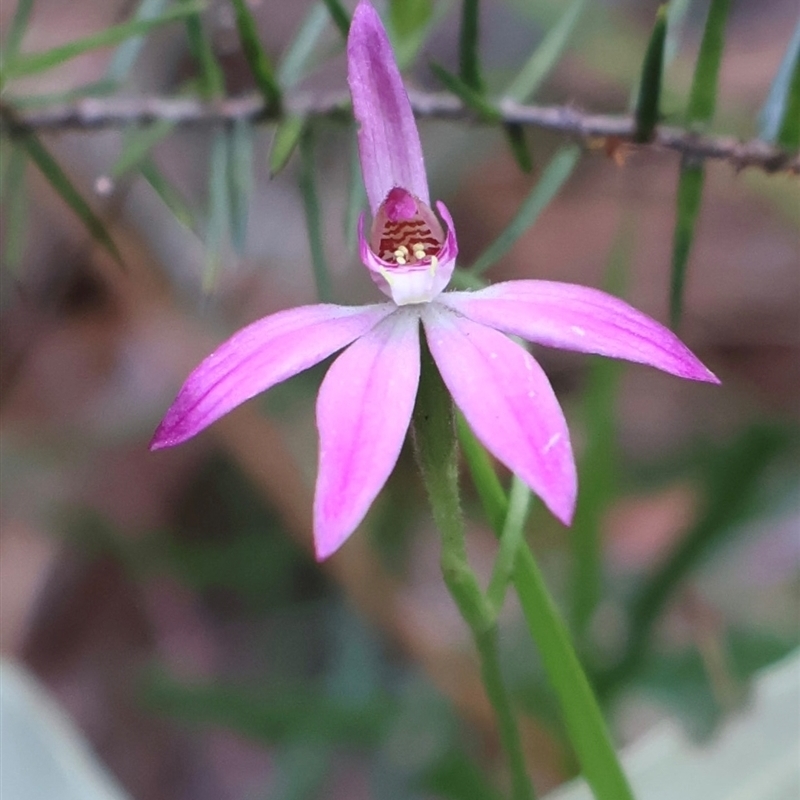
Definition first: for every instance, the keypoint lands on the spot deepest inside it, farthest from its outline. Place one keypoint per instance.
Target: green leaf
(29, 64)
(690, 193)
(256, 56)
(676, 17)
(19, 24)
(406, 17)
(339, 16)
(515, 134)
(649, 102)
(212, 80)
(468, 96)
(703, 95)
(169, 195)
(455, 777)
(137, 145)
(468, 52)
(783, 93)
(62, 185)
(128, 51)
(15, 206)
(582, 716)
(789, 132)
(545, 57)
(240, 180)
(308, 189)
(287, 136)
(101, 88)
(303, 46)
(552, 179)
(218, 209)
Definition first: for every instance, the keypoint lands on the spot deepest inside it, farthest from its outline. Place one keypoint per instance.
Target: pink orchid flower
(367, 396)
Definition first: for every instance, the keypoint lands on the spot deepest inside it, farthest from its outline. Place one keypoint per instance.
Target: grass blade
(303, 47)
(212, 81)
(515, 134)
(62, 185)
(468, 54)
(32, 63)
(339, 16)
(19, 24)
(169, 195)
(256, 56)
(128, 51)
(308, 189)
(690, 192)
(218, 210)
(649, 102)
(584, 721)
(553, 178)
(703, 95)
(545, 57)
(240, 180)
(287, 135)
(776, 111)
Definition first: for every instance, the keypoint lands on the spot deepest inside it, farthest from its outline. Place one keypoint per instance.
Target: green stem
(436, 446)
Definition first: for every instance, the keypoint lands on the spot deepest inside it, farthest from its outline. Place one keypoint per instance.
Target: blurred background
(170, 600)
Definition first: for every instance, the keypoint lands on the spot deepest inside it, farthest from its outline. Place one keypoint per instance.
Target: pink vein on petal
(388, 141)
(259, 356)
(363, 412)
(580, 318)
(508, 402)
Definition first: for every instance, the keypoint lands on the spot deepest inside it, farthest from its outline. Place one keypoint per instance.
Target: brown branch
(100, 113)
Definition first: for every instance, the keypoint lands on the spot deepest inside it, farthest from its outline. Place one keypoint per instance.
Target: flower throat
(405, 231)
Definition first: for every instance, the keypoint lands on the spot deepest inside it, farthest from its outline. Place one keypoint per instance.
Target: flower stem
(436, 447)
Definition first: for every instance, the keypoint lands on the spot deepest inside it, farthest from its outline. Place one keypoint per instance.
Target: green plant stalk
(437, 452)
(584, 721)
(468, 63)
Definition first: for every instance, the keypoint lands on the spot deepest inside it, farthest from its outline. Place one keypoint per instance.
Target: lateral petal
(388, 141)
(363, 412)
(580, 318)
(508, 402)
(257, 357)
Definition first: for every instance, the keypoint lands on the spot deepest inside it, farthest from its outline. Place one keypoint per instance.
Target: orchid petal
(579, 318)
(508, 402)
(388, 141)
(259, 356)
(363, 412)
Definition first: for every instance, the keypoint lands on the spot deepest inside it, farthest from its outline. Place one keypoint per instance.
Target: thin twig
(603, 129)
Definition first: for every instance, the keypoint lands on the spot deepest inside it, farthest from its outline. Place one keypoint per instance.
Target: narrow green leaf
(598, 464)
(101, 88)
(339, 16)
(127, 53)
(584, 721)
(511, 539)
(545, 57)
(287, 135)
(777, 109)
(212, 80)
(218, 210)
(308, 189)
(303, 46)
(703, 95)
(649, 103)
(789, 132)
(406, 17)
(137, 145)
(31, 63)
(14, 195)
(19, 24)
(468, 96)
(690, 193)
(356, 198)
(515, 134)
(62, 185)
(256, 56)
(468, 53)
(676, 17)
(169, 195)
(553, 178)
(240, 180)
